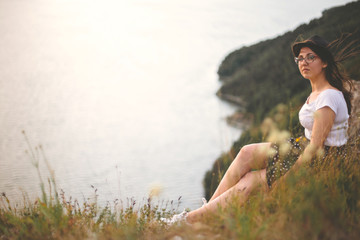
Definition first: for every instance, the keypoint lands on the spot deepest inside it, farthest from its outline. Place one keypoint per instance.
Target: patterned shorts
(278, 166)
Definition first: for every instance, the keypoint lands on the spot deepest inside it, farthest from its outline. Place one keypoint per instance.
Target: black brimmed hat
(315, 43)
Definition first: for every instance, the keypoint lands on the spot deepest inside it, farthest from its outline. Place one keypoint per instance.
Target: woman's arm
(323, 121)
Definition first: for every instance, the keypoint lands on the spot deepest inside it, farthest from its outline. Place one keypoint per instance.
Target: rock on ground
(354, 122)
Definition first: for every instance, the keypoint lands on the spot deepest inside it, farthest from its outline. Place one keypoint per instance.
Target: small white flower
(284, 148)
(155, 190)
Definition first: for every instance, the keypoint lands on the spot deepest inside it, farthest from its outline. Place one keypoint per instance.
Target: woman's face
(310, 65)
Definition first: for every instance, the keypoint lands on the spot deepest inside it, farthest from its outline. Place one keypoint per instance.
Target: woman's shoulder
(330, 93)
(332, 98)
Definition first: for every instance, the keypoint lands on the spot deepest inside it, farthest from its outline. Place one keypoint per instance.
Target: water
(121, 94)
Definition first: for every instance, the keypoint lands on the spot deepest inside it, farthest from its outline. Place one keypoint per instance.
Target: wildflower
(155, 190)
(307, 155)
(278, 136)
(267, 126)
(271, 152)
(284, 148)
(320, 153)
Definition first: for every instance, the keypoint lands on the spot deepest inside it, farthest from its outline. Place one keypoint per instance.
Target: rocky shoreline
(241, 120)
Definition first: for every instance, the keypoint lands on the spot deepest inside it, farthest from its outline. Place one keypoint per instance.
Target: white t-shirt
(334, 99)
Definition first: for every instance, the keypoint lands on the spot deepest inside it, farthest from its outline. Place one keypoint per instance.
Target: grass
(319, 202)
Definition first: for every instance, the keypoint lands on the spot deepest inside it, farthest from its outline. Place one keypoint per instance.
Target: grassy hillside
(321, 202)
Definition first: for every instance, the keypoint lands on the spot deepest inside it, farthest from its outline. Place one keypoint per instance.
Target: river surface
(121, 94)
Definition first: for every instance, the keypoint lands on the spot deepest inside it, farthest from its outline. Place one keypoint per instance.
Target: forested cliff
(265, 81)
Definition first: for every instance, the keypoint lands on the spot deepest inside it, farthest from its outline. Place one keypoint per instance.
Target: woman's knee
(245, 154)
(241, 164)
(253, 156)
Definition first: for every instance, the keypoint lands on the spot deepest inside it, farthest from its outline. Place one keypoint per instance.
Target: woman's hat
(315, 43)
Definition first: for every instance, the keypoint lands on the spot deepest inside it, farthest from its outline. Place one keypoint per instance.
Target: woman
(325, 119)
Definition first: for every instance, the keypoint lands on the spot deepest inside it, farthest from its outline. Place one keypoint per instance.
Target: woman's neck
(319, 84)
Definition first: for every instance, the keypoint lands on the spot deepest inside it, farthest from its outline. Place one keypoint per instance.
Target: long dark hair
(335, 73)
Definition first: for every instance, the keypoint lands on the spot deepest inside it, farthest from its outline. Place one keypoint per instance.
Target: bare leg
(243, 188)
(250, 157)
